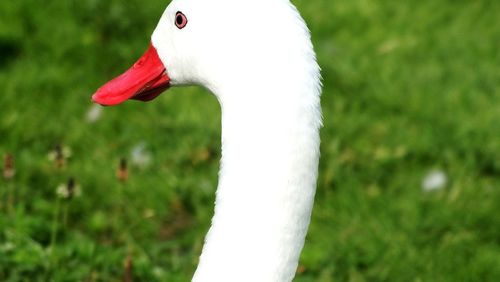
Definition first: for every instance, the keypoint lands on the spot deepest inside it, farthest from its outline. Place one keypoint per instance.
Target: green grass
(410, 87)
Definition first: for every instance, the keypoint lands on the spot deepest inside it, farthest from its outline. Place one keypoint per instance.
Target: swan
(257, 58)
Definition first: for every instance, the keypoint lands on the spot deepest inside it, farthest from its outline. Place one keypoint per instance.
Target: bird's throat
(265, 193)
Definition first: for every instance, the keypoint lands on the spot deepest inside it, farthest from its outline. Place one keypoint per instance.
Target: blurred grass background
(411, 87)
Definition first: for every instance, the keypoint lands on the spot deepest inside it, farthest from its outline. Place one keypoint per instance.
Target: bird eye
(180, 20)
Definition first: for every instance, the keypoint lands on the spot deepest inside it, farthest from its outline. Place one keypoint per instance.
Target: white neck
(270, 152)
(268, 84)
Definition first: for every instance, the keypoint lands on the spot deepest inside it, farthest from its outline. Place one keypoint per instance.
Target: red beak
(144, 81)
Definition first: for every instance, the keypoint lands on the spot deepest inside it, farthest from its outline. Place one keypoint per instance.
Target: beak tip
(97, 98)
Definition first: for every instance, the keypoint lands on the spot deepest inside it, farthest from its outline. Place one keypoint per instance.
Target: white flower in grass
(68, 190)
(59, 155)
(140, 156)
(94, 114)
(434, 180)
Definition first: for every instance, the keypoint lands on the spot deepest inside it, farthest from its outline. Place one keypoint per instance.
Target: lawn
(411, 91)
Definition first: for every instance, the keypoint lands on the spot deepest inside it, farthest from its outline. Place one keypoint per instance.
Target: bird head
(213, 43)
